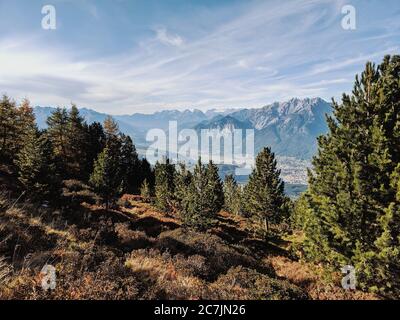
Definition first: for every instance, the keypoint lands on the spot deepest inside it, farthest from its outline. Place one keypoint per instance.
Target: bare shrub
(244, 283)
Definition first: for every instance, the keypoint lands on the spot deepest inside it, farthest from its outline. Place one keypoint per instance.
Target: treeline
(198, 195)
(68, 149)
(104, 158)
(351, 212)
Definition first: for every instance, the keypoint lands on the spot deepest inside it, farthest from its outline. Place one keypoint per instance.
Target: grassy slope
(140, 253)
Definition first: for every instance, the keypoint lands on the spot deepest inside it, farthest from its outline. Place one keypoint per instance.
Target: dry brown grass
(137, 252)
(317, 281)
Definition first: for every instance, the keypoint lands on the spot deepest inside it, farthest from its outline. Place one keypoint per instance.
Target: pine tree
(130, 165)
(8, 130)
(145, 191)
(146, 173)
(202, 201)
(214, 188)
(265, 200)
(76, 145)
(352, 196)
(164, 187)
(25, 121)
(183, 178)
(232, 195)
(95, 144)
(105, 178)
(36, 170)
(57, 133)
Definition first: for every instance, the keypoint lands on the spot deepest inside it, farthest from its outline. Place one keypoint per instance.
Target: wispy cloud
(167, 38)
(246, 56)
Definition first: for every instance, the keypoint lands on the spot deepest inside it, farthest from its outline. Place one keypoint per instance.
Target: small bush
(162, 277)
(131, 239)
(244, 283)
(219, 255)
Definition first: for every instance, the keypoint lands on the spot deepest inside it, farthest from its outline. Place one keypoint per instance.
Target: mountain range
(290, 128)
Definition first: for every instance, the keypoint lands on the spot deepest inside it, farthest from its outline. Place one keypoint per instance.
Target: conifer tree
(352, 194)
(105, 178)
(36, 170)
(57, 133)
(146, 173)
(202, 200)
(232, 195)
(265, 200)
(164, 188)
(25, 121)
(183, 178)
(8, 130)
(76, 145)
(95, 144)
(214, 187)
(130, 165)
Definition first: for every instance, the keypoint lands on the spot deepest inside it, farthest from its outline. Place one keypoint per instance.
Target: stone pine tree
(264, 198)
(232, 195)
(164, 187)
(130, 165)
(57, 133)
(203, 200)
(183, 178)
(36, 169)
(214, 187)
(352, 202)
(76, 145)
(25, 122)
(106, 179)
(8, 129)
(96, 143)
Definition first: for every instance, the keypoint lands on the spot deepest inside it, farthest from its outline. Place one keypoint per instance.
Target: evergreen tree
(36, 170)
(25, 121)
(76, 145)
(214, 188)
(265, 200)
(183, 178)
(146, 173)
(145, 191)
(105, 178)
(95, 144)
(130, 165)
(232, 195)
(352, 194)
(202, 200)
(8, 130)
(164, 188)
(57, 133)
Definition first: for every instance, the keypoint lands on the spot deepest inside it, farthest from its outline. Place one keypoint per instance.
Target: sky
(128, 56)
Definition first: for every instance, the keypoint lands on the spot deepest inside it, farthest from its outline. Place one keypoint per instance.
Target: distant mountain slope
(224, 123)
(290, 128)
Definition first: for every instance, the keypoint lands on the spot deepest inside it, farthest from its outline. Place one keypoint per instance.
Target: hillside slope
(137, 252)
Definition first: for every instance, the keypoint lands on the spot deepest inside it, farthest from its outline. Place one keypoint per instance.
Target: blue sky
(126, 56)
